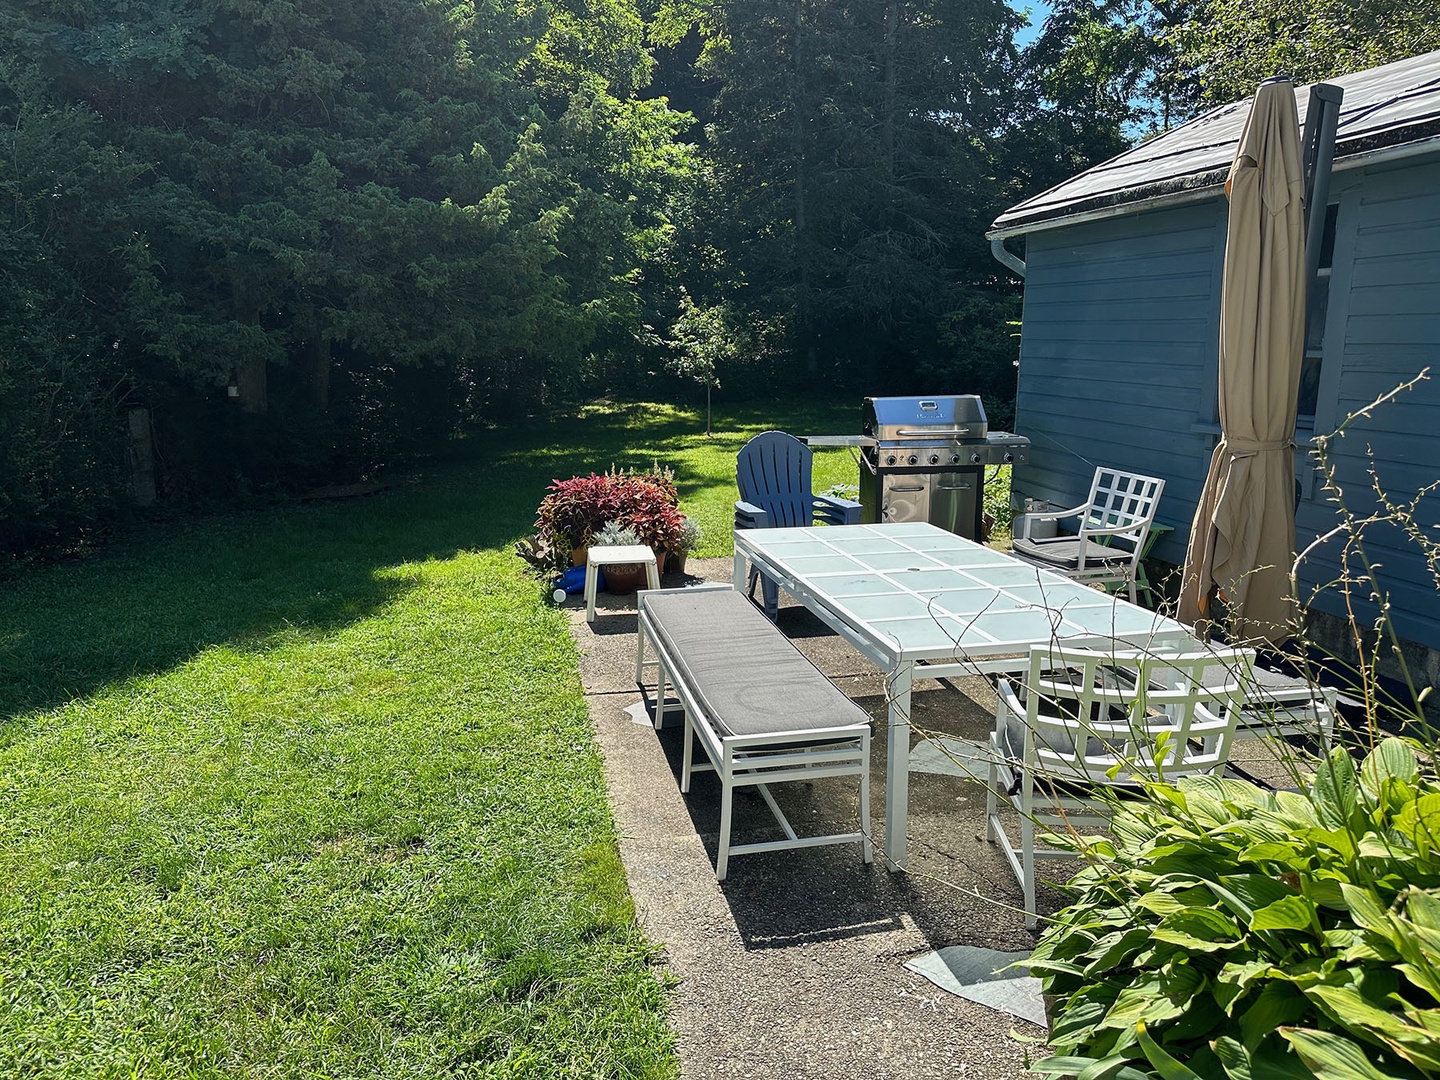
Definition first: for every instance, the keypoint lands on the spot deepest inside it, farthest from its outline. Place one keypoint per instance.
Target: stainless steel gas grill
(924, 459)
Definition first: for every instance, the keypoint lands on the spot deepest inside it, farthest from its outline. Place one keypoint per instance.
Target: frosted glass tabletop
(922, 593)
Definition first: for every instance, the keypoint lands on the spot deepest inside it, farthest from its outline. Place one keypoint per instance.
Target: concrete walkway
(793, 967)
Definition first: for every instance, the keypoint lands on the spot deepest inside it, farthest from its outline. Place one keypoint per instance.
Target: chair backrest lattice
(1112, 717)
(773, 472)
(1121, 500)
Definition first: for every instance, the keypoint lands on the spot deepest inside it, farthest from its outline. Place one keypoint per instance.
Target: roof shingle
(1383, 107)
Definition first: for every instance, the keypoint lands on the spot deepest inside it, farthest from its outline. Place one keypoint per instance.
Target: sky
(1037, 10)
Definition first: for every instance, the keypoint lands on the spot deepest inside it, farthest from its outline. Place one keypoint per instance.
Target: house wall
(1382, 328)
(1118, 367)
(1117, 357)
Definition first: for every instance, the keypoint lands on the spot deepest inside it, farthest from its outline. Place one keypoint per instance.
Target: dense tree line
(268, 243)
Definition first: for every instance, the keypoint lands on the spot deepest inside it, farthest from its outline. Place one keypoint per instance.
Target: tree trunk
(251, 379)
(142, 458)
(320, 371)
(250, 375)
(892, 32)
(797, 127)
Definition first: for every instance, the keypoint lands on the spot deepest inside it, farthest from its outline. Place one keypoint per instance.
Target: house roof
(1383, 108)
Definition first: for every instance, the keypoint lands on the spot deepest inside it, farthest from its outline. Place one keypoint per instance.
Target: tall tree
(357, 187)
(1233, 44)
(852, 146)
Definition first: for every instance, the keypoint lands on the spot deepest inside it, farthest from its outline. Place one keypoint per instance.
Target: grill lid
(907, 419)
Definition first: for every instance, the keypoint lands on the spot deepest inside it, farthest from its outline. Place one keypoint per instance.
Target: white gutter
(1005, 255)
(1383, 155)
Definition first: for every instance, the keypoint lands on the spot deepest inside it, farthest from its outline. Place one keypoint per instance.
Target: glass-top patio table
(920, 602)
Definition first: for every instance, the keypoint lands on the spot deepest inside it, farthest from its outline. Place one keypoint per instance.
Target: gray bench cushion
(1064, 552)
(743, 672)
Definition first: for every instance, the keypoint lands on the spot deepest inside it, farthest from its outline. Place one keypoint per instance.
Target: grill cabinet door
(955, 502)
(906, 498)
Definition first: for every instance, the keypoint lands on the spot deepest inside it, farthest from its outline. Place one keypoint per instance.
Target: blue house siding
(1382, 328)
(1118, 367)
(1117, 356)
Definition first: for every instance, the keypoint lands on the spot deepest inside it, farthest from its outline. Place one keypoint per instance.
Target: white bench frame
(761, 759)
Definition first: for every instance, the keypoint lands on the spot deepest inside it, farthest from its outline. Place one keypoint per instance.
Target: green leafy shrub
(997, 499)
(1229, 932)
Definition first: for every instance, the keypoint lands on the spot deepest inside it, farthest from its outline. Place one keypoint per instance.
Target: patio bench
(762, 712)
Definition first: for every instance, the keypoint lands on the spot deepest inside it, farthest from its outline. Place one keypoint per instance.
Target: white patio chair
(1275, 705)
(1114, 523)
(1071, 731)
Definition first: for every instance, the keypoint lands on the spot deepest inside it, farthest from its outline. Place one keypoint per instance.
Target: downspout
(1006, 256)
(1322, 116)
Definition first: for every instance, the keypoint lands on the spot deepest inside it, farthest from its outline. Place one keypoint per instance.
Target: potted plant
(572, 511)
(689, 537)
(622, 578)
(649, 509)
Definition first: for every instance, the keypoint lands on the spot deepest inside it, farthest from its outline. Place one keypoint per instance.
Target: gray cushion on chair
(1051, 739)
(1064, 552)
(745, 674)
(1060, 741)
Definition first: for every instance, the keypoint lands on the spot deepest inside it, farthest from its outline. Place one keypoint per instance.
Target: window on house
(1315, 325)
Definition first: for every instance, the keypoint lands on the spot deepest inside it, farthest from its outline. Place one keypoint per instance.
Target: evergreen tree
(853, 147)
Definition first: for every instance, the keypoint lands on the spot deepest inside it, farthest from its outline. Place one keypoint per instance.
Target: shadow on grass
(162, 595)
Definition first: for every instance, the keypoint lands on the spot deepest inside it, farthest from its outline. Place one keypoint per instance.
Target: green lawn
(312, 791)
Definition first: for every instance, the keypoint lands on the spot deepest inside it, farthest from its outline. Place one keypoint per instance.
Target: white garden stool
(621, 555)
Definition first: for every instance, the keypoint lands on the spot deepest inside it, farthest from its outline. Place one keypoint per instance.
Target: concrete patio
(794, 965)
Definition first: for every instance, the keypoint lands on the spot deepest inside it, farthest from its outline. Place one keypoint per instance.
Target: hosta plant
(1230, 932)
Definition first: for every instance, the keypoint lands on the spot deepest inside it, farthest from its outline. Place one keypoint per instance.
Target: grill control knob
(914, 460)
(890, 460)
(954, 459)
(934, 459)
(1009, 458)
(975, 457)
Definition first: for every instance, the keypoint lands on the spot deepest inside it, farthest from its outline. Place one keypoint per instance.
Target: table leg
(740, 570)
(897, 764)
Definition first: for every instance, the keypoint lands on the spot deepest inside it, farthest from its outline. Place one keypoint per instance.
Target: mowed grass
(312, 791)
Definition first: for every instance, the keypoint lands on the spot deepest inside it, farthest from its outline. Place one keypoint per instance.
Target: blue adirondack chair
(773, 475)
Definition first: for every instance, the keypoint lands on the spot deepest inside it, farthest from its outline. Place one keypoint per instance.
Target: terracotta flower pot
(578, 556)
(623, 580)
(676, 562)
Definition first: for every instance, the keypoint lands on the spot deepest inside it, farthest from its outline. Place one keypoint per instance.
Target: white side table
(627, 555)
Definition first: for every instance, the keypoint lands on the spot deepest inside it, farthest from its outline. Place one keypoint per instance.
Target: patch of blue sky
(1035, 11)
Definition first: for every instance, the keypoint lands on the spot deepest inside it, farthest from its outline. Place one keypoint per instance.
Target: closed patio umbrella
(1243, 538)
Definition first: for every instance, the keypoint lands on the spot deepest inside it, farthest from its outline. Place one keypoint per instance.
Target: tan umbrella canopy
(1243, 539)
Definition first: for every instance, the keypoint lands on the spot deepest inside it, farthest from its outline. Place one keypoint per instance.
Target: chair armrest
(836, 511)
(1008, 701)
(750, 516)
(1114, 530)
(1055, 515)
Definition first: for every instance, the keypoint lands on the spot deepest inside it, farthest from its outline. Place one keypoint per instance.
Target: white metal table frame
(922, 603)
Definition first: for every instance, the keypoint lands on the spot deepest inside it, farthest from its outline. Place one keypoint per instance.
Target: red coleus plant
(574, 510)
(646, 508)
